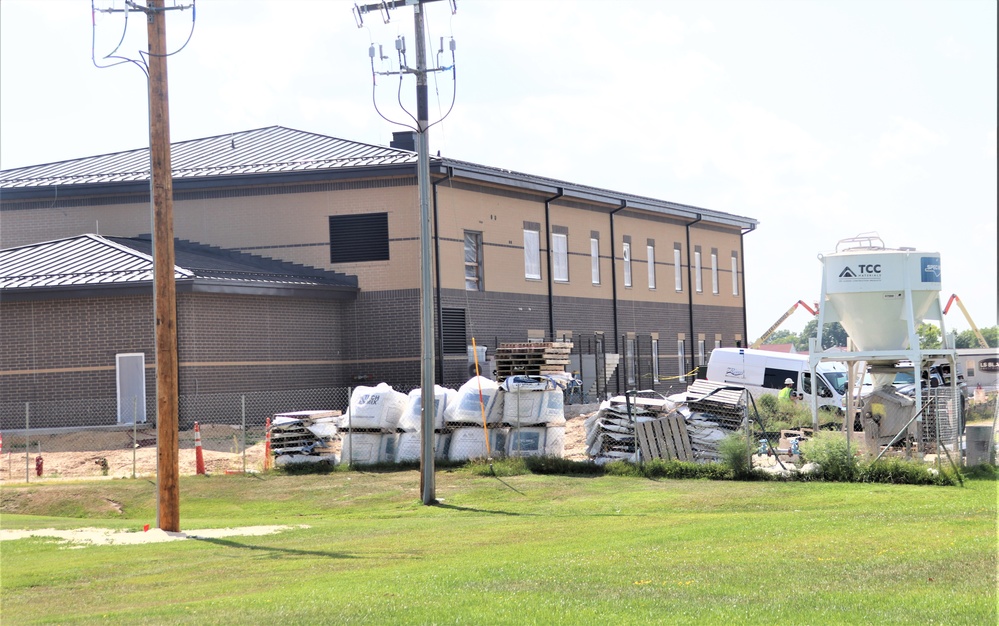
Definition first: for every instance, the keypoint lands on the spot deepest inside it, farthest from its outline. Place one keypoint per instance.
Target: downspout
(617, 348)
(449, 172)
(745, 298)
(690, 292)
(551, 280)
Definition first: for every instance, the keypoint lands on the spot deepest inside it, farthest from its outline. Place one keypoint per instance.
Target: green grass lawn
(518, 550)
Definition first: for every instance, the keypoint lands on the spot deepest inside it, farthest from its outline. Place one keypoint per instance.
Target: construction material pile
(713, 410)
(523, 417)
(304, 435)
(611, 431)
(685, 427)
(531, 359)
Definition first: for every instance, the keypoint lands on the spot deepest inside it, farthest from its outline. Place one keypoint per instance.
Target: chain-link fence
(94, 437)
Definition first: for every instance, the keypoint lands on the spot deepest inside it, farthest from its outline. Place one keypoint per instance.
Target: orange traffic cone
(267, 444)
(199, 457)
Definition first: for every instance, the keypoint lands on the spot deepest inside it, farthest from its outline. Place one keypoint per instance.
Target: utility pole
(427, 398)
(165, 292)
(153, 63)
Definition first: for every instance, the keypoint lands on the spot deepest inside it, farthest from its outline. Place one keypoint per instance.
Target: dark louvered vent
(357, 238)
(453, 331)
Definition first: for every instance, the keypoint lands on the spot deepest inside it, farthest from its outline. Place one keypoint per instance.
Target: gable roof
(276, 154)
(80, 266)
(260, 151)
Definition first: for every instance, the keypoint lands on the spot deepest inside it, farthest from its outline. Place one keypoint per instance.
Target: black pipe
(551, 280)
(690, 296)
(439, 365)
(742, 262)
(617, 348)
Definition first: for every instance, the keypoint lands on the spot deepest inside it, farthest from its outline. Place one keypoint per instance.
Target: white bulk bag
(378, 407)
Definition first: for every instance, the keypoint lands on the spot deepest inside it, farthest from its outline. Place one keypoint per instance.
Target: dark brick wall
(58, 353)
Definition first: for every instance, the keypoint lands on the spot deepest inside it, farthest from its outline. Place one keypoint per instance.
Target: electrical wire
(142, 63)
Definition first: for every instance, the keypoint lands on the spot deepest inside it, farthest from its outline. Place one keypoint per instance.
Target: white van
(762, 371)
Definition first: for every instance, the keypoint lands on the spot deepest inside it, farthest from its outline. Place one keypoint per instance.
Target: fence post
(242, 400)
(27, 442)
(350, 429)
(135, 431)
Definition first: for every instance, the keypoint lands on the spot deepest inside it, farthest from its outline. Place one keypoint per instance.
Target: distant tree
(783, 336)
(929, 336)
(834, 335)
(967, 339)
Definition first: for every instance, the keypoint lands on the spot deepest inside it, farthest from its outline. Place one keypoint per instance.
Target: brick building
(301, 254)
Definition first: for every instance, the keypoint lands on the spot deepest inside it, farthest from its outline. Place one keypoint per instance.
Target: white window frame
(532, 254)
(714, 273)
(560, 257)
(655, 360)
(681, 359)
(677, 270)
(701, 360)
(651, 252)
(595, 260)
(698, 283)
(626, 256)
(474, 283)
(735, 274)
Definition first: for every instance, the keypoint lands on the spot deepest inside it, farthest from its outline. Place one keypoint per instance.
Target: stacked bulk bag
(467, 410)
(533, 409)
(370, 432)
(411, 425)
(477, 397)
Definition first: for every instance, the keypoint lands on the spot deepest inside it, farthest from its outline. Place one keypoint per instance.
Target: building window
(595, 260)
(655, 360)
(735, 274)
(700, 353)
(473, 261)
(631, 360)
(714, 272)
(698, 284)
(532, 252)
(359, 237)
(677, 269)
(651, 252)
(560, 257)
(681, 359)
(626, 255)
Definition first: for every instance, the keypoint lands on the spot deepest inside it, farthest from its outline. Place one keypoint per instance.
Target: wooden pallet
(664, 438)
(531, 359)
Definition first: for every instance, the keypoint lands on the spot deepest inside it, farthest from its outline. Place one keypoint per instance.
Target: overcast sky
(820, 119)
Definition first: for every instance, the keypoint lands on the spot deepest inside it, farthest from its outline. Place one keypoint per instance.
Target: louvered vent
(360, 237)
(453, 331)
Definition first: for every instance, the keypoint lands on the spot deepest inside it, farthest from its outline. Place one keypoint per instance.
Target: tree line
(835, 336)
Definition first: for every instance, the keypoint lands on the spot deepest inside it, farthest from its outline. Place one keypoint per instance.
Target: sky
(821, 119)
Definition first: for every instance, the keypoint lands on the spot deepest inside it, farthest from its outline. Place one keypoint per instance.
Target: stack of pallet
(714, 411)
(531, 359)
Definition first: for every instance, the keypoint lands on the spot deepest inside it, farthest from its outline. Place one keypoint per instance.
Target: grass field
(514, 550)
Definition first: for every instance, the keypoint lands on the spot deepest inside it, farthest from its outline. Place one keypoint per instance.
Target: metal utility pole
(427, 487)
(165, 293)
(427, 398)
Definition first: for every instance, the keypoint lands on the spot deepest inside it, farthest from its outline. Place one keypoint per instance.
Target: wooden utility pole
(165, 296)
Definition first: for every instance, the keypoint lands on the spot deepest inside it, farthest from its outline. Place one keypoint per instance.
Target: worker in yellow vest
(787, 393)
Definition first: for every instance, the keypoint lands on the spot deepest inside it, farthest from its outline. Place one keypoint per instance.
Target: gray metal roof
(89, 261)
(259, 156)
(262, 151)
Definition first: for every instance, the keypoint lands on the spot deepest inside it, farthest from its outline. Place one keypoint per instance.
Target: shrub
(903, 472)
(776, 414)
(829, 450)
(735, 454)
(558, 465)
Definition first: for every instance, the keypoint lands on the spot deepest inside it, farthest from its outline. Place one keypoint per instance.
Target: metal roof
(278, 155)
(91, 260)
(262, 151)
